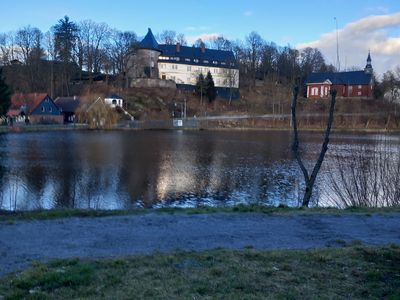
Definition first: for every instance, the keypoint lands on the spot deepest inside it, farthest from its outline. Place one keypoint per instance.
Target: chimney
(202, 47)
(178, 47)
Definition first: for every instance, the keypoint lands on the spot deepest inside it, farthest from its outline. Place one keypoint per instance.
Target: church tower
(368, 68)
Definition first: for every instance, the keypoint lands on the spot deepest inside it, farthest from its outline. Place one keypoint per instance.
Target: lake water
(128, 169)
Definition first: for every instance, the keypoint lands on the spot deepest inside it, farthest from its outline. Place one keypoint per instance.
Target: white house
(114, 101)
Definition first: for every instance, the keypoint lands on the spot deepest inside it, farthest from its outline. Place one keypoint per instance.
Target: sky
(363, 25)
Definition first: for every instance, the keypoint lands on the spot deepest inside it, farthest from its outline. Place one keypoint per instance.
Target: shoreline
(51, 214)
(81, 127)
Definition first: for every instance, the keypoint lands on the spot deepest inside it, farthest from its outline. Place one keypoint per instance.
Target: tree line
(74, 52)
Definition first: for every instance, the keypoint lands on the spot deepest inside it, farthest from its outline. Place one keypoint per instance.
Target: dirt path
(25, 241)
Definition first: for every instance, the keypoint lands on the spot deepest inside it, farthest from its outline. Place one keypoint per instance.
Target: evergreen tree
(65, 34)
(5, 96)
(210, 87)
(201, 86)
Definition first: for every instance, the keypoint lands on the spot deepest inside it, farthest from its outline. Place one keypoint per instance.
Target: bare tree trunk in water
(310, 180)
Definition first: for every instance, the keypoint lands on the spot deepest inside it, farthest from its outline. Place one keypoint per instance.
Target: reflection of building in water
(111, 170)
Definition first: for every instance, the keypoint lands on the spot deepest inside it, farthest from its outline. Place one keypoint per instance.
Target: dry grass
(355, 272)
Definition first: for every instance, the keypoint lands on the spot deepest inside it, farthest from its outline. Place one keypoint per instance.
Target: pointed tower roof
(149, 42)
(368, 68)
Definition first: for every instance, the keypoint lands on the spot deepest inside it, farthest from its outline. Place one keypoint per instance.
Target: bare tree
(269, 58)
(119, 49)
(221, 43)
(254, 44)
(181, 39)
(310, 179)
(391, 85)
(365, 176)
(167, 37)
(28, 39)
(7, 48)
(93, 37)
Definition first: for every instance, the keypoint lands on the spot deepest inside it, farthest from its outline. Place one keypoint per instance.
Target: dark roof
(353, 78)
(149, 42)
(114, 96)
(68, 104)
(206, 58)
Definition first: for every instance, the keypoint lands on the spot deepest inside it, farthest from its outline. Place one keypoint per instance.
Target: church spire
(368, 68)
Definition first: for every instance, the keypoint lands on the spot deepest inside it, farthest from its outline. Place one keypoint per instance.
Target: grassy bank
(355, 272)
(68, 213)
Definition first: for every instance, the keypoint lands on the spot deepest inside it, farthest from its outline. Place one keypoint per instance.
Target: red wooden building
(354, 84)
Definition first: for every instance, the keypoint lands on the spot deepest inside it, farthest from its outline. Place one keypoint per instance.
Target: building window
(215, 62)
(314, 91)
(43, 109)
(187, 59)
(205, 61)
(174, 67)
(359, 87)
(189, 68)
(196, 60)
(223, 63)
(50, 109)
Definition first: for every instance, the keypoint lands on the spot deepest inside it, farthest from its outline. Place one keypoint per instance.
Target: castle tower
(368, 68)
(147, 57)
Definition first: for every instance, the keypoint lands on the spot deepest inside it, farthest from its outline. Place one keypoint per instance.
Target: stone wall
(152, 83)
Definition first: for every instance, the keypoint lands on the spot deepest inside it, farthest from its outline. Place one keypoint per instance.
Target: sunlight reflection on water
(118, 170)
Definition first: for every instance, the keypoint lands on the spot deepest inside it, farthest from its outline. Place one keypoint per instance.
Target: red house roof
(29, 101)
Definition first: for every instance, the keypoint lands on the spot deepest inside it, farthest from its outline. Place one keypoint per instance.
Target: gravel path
(25, 241)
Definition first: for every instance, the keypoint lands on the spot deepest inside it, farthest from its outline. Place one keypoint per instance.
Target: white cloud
(356, 38)
(248, 13)
(205, 37)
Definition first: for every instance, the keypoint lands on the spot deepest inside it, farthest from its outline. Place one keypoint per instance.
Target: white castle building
(183, 64)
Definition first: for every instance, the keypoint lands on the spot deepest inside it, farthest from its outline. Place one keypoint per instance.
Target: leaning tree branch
(310, 180)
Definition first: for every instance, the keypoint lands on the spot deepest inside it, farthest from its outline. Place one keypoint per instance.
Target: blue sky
(283, 22)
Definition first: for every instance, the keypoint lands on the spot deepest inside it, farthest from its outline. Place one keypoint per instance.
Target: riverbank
(344, 122)
(12, 216)
(355, 272)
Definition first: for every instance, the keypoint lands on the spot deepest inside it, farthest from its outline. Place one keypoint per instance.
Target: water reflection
(115, 170)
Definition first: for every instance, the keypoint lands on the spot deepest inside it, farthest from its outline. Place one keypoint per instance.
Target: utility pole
(337, 46)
